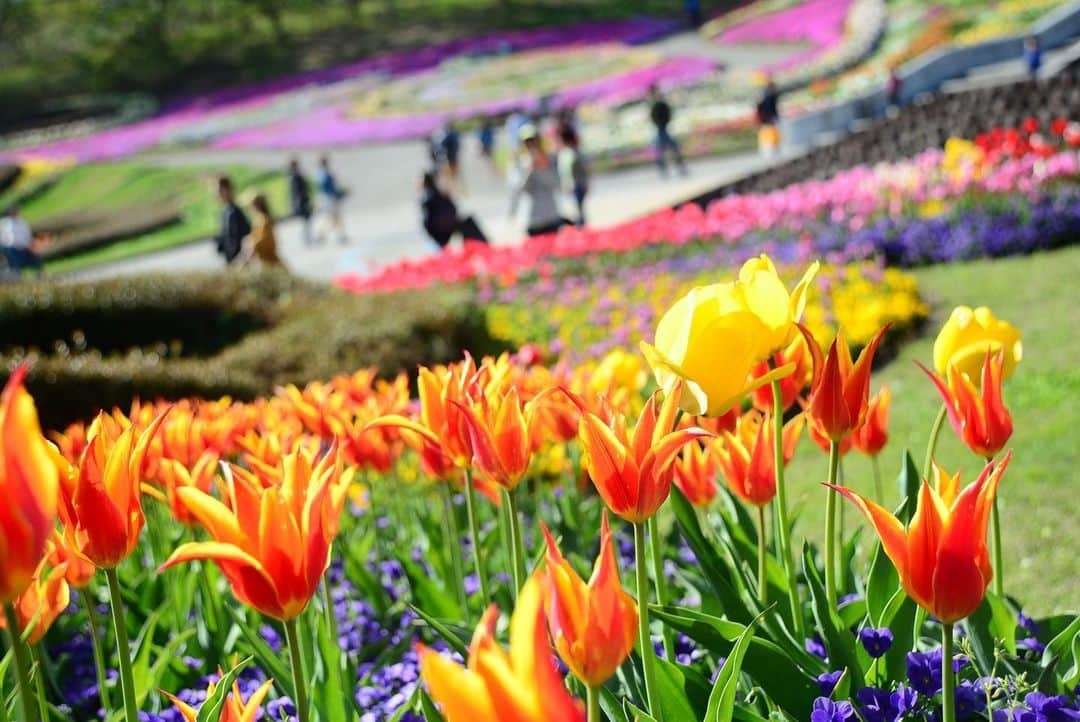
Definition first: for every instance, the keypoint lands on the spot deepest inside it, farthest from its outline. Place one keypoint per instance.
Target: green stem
(762, 559)
(656, 555)
(328, 605)
(39, 684)
(782, 512)
(830, 526)
(453, 540)
(515, 542)
(995, 537)
(879, 489)
(648, 653)
(99, 655)
(592, 696)
(296, 659)
(931, 445)
(123, 647)
(948, 677)
(474, 531)
(25, 711)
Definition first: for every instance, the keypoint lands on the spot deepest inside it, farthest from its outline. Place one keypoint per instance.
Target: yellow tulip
(714, 336)
(968, 335)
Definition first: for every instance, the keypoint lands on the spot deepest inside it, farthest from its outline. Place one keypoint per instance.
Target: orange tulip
(747, 457)
(500, 435)
(234, 709)
(41, 603)
(695, 473)
(840, 394)
(272, 540)
(101, 504)
(823, 442)
(979, 417)
(77, 571)
(871, 437)
(173, 476)
(632, 472)
(522, 685)
(791, 386)
(594, 626)
(28, 487)
(942, 557)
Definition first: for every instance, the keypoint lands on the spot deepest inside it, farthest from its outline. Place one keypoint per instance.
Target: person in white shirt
(17, 241)
(540, 182)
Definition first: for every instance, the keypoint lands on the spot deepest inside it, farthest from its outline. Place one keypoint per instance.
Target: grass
(130, 183)
(1038, 492)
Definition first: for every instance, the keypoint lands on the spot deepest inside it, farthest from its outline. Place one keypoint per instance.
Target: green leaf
(672, 697)
(722, 700)
(635, 713)
(333, 696)
(909, 482)
(838, 640)
(427, 708)
(993, 620)
(1060, 645)
(881, 584)
(444, 630)
(210, 711)
(269, 660)
(431, 595)
(899, 616)
(409, 706)
(612, 706)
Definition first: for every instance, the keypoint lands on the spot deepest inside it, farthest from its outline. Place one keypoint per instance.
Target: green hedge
(99, 345)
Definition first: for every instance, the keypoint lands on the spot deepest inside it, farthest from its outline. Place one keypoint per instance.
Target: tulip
(871, 437)
(496, 685)
(792, 385)
(28, 485)
(979, 417)
(713, 337)
(173, 476)
(234, 709)
(695, 473)
(41, 603)
(594, 625)
(965, 338)
(747, 460)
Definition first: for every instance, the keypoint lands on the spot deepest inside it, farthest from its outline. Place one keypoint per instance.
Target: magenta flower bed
(817, 22)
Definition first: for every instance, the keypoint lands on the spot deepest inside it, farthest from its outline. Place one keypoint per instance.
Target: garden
(802, 454)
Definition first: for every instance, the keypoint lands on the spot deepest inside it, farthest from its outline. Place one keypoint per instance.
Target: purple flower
(828, 681)
(1045, 708)
(826, 710)
(816, 646)
(924, 671)
(876, 642)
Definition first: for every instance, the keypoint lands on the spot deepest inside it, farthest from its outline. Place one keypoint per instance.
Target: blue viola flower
(876, 642)
(816, 646)
(924, 671)
(969, 700)
(826, 710)
(828, 681)
(1045, 708)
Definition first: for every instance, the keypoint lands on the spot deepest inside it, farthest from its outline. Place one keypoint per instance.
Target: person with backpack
(234, 224)
(440, 215)
(660, 114)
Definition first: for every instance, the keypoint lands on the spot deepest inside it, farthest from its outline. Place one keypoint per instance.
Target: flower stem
(656, 555)
(648, 654)
(39, 684)
(474, 531)
(592, 696)
(516, 543)
(782, 512)
(453, 540)
(328, 605)
(931, 445)
(830, 526)
(123, 647)
(99, 655)
(762, 566)
(879, 488)
(296, 659)
(25, 711)
(948, 676)
(995, 537)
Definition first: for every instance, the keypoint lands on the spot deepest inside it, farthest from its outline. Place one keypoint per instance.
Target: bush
(99, 345)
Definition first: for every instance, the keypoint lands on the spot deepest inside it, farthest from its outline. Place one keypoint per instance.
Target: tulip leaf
(269, 660)
(409, 706)
(908, 483)
(673, 695)
(329, 679)
(1065, 644)
(881, 584)
(780, 674)
(743, 714)
(427, 708)
(1059, 644)
(431, 595)
(722, 700)
(899, 616)
(838, 640)
(992, 621)
(612, 706)
(210, 711)
(635, 713)
(456, 641)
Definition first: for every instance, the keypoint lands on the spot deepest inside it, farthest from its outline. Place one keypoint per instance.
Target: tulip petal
(888, 528)
(460, 692)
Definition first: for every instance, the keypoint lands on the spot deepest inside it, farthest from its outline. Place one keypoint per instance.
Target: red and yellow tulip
(500, 434)
(594, 625)
(42, 602)
(747, 456)
(235, 708)
(942, 557)
(977, 414)
(871, 437)
(521, 685)
(696, 468)
(840, 395)
(272, 538)
(28, 486)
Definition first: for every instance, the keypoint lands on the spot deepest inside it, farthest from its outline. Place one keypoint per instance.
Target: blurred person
(331, 196)
(17, 242)
(660, 115)
(515, 122)
(573, 169)
(1032, 56)
(768, 117)
(261, 243)
(450, 145)
(540, 182)
(485, 134)
(893, 87)
(440, 215)
(300, 199)
(234, 224)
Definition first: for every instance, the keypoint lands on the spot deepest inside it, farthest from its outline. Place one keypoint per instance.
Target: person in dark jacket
(768, 108)
(1032, 56)
(660, 114)
(234, 224)
(300, 198)
(440, 215)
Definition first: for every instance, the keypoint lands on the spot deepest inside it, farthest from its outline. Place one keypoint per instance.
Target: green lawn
(131, 183)
(1037, 496)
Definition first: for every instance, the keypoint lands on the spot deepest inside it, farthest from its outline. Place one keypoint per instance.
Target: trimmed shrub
(99, 345)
